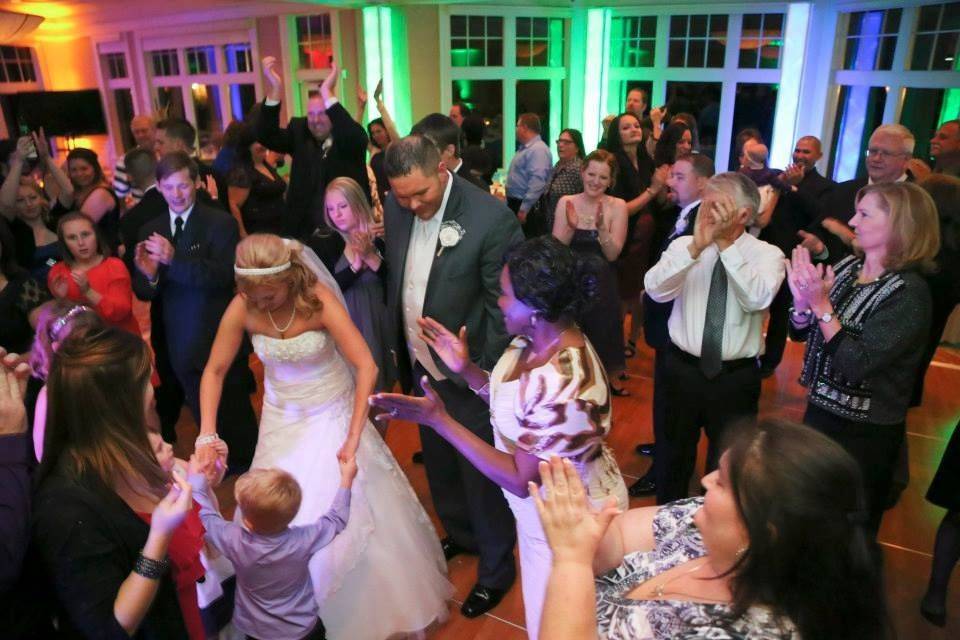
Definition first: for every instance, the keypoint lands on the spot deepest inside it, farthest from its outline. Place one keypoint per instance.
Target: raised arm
(267, 124)
(222, 354)
(354, 348)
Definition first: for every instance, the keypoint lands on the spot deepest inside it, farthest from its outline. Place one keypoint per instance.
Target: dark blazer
(840, 203)
(466, 172)
(312, 168)
(463, 285)
(815, 185)
(88, 540)
(197, 286)
(152, 205)
(656, 314)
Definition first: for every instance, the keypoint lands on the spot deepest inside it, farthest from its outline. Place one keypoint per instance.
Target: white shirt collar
(684, 212)
(185, 216)
(153, 186)
(454, 170)
(438, 216)
(902, 178)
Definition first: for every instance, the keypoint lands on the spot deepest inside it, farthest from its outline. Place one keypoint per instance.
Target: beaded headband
(61, 322)
(260, 271)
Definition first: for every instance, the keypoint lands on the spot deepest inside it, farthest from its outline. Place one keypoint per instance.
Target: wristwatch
(826, 317)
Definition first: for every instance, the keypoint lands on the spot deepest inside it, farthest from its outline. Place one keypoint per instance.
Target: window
(753, 108)
(539, 42)
(165, 62)
(860, 111)
(16, 65)
(935, 47)
(871, 40)
(761, 40)
(634, 41)
(702, 99)
(697, 41)
(315, 41)
(123, 103)
(200, 60)
(116, 66)
(476, 41)
(239, 58)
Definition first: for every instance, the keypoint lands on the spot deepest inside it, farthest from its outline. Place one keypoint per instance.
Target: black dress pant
(777, 326)
(236, 420)
(875, 447)
(471, 507)
(693, 402)
(169, 395)
(659, 407)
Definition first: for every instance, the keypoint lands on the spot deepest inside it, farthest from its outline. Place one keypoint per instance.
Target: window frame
(509, 73)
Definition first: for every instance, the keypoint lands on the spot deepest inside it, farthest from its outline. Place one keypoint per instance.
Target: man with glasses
(889, 150)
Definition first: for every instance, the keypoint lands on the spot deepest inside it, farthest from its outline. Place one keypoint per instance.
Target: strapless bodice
(307, 369)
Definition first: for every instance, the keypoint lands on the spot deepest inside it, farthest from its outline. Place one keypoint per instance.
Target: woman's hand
(573, 219)
(59, 287)
(348, 470)
(13, 386)
(453, 350)
(170, 512)
(428, 410)
(40, 144)
(659, 179)
(810, 284)
(82, 281)
(572, 530)
(348, 449)
(598, 218)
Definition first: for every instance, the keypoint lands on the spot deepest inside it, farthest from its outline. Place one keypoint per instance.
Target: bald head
(144, 130)
(807, 152)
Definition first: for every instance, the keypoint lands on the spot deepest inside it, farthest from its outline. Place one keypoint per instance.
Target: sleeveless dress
(601, 322)
(560, 408)
(385, 574)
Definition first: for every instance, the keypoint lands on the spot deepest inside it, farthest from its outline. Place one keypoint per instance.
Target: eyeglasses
(883, 154)
(562, 141)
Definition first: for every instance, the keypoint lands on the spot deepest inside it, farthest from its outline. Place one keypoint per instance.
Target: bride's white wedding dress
(385, 573)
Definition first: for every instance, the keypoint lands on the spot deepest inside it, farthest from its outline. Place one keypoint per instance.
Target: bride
(318, 374)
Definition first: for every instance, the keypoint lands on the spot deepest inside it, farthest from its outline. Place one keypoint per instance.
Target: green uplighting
(466, 57)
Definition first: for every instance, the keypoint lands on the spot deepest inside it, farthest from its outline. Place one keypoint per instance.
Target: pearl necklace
(282, 331)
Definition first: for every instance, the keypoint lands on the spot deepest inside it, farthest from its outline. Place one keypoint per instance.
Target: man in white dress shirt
(721, 280)
(445, 242)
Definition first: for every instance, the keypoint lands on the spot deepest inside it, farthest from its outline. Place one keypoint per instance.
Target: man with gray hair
(889, 150)
(721, 281)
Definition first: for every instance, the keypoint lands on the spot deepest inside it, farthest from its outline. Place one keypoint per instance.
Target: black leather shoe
(645, 449)
(417, 457)
(481, 600)
(450, 548)
(643, 487)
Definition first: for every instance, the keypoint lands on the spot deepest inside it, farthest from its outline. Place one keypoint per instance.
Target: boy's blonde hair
(268, 499)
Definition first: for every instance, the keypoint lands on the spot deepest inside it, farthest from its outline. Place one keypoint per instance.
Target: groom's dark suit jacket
(198, 284)
(463, 286)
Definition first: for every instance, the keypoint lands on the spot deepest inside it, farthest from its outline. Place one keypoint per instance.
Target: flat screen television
(60, 113)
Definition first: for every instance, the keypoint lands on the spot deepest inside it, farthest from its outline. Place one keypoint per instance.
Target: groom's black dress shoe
(450, 548)
(481, 600)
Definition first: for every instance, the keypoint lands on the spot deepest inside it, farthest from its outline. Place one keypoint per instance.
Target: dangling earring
(533, 320)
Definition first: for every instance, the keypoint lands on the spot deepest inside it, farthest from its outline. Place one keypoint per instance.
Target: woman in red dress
(89, 275)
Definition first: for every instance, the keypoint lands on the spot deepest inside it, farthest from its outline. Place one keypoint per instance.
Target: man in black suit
(185, 260)
(141, 170)
(446, 135)
(327, 144)
(803, 173)
(687, 180)
(889, 150)
(445, 242)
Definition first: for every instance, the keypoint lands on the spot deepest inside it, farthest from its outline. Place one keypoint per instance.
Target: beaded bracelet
(149, 568)
(204, 440)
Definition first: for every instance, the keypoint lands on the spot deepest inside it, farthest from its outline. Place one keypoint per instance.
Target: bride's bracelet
(205, 440)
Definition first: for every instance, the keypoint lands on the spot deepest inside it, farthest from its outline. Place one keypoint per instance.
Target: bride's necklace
(284, 330)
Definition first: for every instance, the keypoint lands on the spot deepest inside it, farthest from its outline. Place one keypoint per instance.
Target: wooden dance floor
(906, 535)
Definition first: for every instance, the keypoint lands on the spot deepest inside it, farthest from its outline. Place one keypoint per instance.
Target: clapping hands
(572, 530)
(809, 284)
(14, 373)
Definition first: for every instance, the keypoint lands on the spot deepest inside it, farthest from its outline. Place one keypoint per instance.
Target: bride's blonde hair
(264, 250)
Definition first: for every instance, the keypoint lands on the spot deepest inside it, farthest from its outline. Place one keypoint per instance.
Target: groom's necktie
(711, 349)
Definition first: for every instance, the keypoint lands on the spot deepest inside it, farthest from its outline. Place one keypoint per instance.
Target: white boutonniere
(450, 235)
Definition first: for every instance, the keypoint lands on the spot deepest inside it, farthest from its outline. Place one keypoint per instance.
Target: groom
(445, 241)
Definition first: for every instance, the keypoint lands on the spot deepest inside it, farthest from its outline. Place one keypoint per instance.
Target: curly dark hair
(550, 278)
(666, 150)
